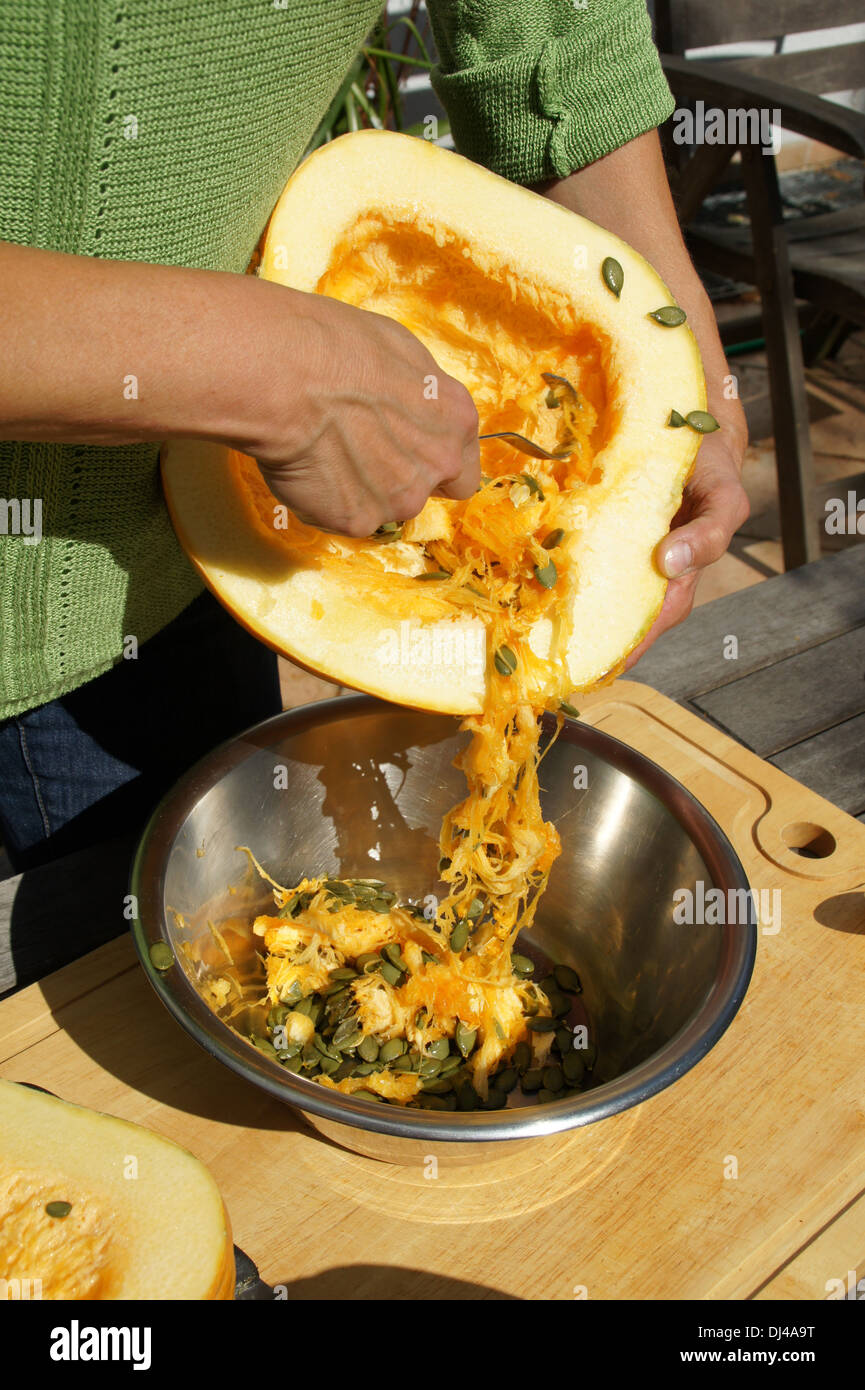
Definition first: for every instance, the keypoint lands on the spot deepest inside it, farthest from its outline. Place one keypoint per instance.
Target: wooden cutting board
(744, 1179)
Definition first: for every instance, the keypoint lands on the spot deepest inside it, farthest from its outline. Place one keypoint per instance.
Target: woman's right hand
(366, 425)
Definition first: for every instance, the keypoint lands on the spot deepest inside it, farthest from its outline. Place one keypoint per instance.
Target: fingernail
(678, 559)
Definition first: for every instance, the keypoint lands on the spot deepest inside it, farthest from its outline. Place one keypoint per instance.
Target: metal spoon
(526, 446)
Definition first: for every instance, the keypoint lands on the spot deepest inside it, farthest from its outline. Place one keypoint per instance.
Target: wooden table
(641, 1205)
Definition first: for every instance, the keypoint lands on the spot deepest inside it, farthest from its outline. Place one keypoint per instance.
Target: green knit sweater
(164, 131)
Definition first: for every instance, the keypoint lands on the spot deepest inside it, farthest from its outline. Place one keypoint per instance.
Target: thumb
(705, 538)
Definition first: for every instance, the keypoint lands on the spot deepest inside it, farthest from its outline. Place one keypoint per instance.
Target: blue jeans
(92, 765)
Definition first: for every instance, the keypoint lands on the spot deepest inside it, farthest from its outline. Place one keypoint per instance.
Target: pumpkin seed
(554, 539)
(505, 661)
(532, 484)
(531, 1080)
(347, 1035)
(465, 1037)
(347, 1067)
(433, 574)
(369, 961)
(564, 1039)
(264, 1046)
(430, 960)
(567, 979)
(403, 1063)
(439, 1049)
(390, 973)
(339, 888)
(573, 1067)
(429, 1068)
(380, 905)
(496, 1099)
(329, 1065)
(368, 1095)
(506, 1080)
(387, 527)
(670, 316)
(553, 1077)
(676, 421)
(368, 1048)
(459, 935)
(552, 400)
(293, 993)
(546, 1096)
(437, 1085)
(344, 973)
(161, 955)
(431, 1102)
(292, 1064)
(522, 1057)
(366, 1068)
(613, 275)
(522, 966)
(451, 1063)
(392, 953)
(702, 421)
(541, 1024)
(569, 710)
(277, 1015)
(546, 574)
(393, 1048)
(475, 908)
(326, 1048)
(552, 380)
(467, 1097)
(58, 1209)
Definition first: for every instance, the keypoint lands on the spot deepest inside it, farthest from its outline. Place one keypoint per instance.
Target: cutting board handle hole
(810, 841)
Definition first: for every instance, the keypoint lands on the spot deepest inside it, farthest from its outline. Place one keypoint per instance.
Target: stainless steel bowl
(356, 787)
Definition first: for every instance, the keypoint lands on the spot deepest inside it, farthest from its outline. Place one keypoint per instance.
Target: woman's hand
(370, 427)
(714, 506)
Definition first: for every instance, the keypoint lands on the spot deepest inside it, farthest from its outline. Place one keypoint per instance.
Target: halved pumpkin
(93, 1207)
(502, 285)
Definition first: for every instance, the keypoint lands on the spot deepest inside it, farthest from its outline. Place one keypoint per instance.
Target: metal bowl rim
(682, 1052)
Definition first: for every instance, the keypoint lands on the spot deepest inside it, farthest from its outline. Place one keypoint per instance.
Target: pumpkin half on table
(93, 1207)
(560, 332)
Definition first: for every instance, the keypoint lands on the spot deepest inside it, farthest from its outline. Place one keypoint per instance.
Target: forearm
(115, 352)
(628, 193)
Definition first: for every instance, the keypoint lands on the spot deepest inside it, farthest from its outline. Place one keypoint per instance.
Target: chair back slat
(819, 70)
(681, 24)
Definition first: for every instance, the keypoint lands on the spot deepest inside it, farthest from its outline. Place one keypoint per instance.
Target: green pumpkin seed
(430, 960)
(569, 710)
(552, 400)
(522, 966)
(589, 1055)
(564, 1039)
(347, 1067)
(459, 935)
(392, 953)
(505, 661)
(464, 1037)
(553, 1078)
(161, 955)
(541, 1024)
(58, 1209)
(567, 979)
(404, 1063)
(345, 972)
(292, 1064)
(433, 574)
(467, 1097)
(426, 1102)
(532, 484)
(676, 421)
(531, 1080)
(390, 973)
(429, 1068)
(573, 1067)
(702, 421)
(475, 909)
(496, 1099)
(522, 1057)
(450, 1064)
(347, 1035)
(554, 539)
(546, 575)
(670, 316)
(439, 1049)
(293, 993)
(264, 1046)
(366, 1068)
(338, 888)
(546, 1096)
(370, 960)
(506, 1080)
(277, 1015)
(290, 1050)
(437, 1085)
(379, 905)
(329, 1065)
(368, 1048)
(389, 1051)
(326, 1048)
(368, 1095)
(613, 275)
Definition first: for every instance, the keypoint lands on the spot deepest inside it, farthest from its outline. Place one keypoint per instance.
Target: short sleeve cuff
(542, 114)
